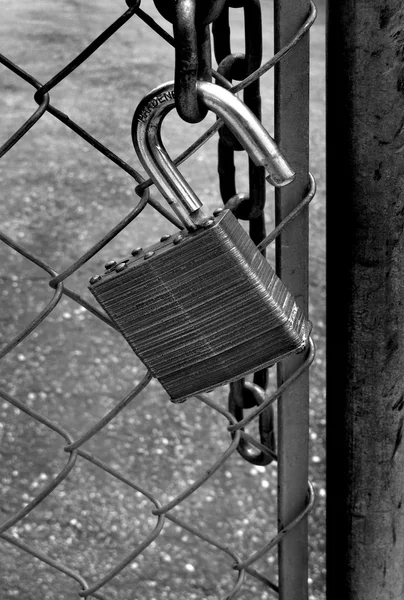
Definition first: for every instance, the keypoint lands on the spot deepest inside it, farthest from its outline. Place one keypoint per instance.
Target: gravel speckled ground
(59, 196)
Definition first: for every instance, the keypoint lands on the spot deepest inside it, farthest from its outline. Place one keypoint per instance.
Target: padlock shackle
(249, 131)
(146, 135)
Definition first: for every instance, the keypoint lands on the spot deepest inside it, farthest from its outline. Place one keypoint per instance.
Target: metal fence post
(365, 285)
(292, 132)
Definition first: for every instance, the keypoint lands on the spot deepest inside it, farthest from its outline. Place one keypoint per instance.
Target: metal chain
(244, 206)
(252, 394)
(192, 43)
(240, 66)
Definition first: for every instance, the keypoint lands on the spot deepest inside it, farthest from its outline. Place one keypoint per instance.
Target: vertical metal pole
(292, 133)
(365, 279)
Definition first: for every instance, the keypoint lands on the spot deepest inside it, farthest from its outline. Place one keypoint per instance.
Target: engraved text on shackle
(164, 97)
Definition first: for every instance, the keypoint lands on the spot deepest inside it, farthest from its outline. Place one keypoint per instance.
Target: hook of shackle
(146, 135)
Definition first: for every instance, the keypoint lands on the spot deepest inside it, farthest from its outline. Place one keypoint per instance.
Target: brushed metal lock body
(203, 307)
(203, 311)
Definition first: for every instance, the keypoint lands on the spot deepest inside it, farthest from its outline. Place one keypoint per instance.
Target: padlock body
(204, 310)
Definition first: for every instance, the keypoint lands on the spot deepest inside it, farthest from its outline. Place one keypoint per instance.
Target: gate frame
(292, 134)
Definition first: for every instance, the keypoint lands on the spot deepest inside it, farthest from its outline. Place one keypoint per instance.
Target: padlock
(202, 307)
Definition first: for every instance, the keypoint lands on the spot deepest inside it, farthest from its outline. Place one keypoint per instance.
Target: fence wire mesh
(51, 488)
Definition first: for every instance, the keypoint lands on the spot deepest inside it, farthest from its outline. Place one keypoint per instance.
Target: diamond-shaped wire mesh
(135, 520)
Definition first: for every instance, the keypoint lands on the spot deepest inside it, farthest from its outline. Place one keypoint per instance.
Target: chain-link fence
(158, 510)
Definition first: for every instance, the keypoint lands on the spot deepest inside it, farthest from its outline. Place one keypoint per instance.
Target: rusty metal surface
(192, 60)
(291, 215)
(365, 339)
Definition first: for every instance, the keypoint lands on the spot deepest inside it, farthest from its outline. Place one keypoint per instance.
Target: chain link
(247, 395)
(192, 60)
(192, 51)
